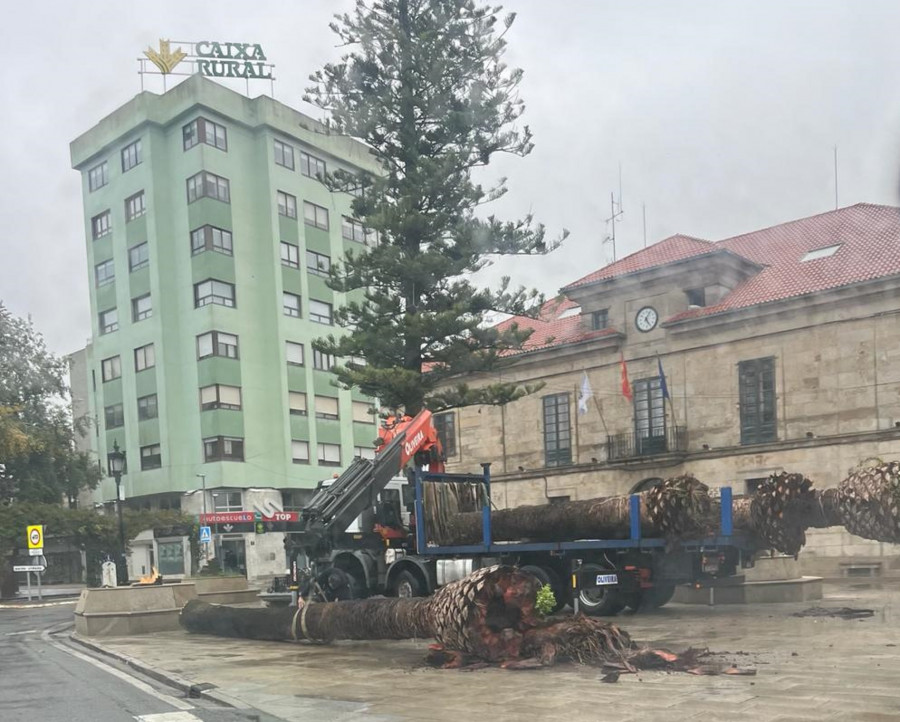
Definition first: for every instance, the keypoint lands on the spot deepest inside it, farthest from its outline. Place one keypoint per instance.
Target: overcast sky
(723, 116)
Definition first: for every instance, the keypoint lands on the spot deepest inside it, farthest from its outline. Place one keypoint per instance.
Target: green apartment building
(208, 241)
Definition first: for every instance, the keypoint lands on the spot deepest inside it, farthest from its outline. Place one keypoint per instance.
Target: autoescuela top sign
(213, 59)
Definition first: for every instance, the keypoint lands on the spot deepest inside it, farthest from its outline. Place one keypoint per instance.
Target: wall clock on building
(646, 319)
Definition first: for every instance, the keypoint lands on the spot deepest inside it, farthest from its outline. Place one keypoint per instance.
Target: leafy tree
(37, 438)
(425, 86)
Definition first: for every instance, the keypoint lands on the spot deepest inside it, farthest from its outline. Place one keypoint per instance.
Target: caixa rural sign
(211, 58)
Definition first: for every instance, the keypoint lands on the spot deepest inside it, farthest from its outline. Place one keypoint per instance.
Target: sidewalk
(808, 669)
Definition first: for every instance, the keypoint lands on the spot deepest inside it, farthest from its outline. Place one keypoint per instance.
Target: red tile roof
(869, 239)
(548, 329)
(673, 248)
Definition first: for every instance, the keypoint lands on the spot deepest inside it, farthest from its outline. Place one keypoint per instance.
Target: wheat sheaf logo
(165, 59)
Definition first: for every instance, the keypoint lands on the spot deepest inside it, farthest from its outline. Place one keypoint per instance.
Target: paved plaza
(807, 669)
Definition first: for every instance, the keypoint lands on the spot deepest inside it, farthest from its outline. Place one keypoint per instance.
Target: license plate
(604, 580)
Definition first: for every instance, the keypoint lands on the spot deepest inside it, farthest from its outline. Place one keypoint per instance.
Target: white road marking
(27, 631)
(168, 717)
(143, 686)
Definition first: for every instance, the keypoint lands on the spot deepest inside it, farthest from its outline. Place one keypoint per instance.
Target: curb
(190, 689)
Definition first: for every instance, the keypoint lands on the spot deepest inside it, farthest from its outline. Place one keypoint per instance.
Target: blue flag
(662, 380)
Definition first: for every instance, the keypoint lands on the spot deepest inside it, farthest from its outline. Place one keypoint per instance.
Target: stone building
(779, 350)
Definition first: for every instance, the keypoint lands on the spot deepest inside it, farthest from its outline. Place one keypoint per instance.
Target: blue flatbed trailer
(599, 576)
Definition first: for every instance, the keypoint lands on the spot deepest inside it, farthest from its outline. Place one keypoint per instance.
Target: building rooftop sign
(210, 58)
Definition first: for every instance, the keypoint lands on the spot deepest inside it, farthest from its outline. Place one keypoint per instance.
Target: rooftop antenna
(644, 213)
(835, 179)
(615, 213)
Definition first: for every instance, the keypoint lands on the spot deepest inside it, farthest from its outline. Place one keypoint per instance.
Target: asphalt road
(46, 679)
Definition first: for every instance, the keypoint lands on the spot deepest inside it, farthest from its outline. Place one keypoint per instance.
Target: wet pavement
(808, 668)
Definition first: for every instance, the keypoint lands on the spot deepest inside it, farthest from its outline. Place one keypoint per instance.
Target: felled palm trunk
(679, 507)
(488, 616)
(868, 502)
(483, 615)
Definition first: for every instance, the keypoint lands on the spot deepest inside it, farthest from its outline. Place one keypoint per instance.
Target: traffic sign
(36, 536)
(28, 568)
(35, 552)
(205, 536)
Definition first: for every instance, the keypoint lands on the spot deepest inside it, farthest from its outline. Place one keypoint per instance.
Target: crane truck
(366, 533)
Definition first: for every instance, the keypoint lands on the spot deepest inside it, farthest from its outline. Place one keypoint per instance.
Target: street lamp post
(117, 466)
(205, 544)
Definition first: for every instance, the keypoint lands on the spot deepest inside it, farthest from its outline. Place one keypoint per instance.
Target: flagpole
(577, 414)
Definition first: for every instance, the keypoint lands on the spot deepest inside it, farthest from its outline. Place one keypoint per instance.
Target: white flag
(585, 394)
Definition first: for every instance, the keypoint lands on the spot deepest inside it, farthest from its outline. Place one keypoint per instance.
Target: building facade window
(291, 304)
(363, 412)
(557, 430)
(215, 292)
(147, 407)
(223, 448)
(139, 256)
(210, 238)
(318, 264)
(217, 343)
(144, 357)
(329, 454)
(353, 230)
(111, 368)
(98, 176)
(287, 205)
(364, 452)
(141, 308)
(299, 451)
(114, 416)
(600, 319)
(327, 408)
(109, 321)
(104, 273)
(323, 361)
(320, 312)
(284, 155)
(445, 425)
(171, 557)
(756, 380)
(131, 155)
(151, 457)
(649, 416)
(228, 501)
(101, 225)
(294, 353)
(297, 403)
(220, 396)
(135, 206)
(314, 215)
(311, 166)
(208, 185)
(290, 255)
(201, 130)
(696, 296)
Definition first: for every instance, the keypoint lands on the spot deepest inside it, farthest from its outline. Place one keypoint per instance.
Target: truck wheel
(660, 595)
(546, 575)
(653, 598)
(407, 585)
(599, 601)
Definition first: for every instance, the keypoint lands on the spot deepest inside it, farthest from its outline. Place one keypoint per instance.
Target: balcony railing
(634, 444)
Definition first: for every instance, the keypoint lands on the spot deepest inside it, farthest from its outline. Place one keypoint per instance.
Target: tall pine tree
(425, 86)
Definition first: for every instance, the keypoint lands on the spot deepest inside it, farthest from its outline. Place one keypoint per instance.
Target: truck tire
(600, 601)
(660, 595)
(652, 598)
(407, 585)
(546, 575)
